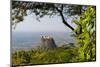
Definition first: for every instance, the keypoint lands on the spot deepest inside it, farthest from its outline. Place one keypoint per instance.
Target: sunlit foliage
(86, 36)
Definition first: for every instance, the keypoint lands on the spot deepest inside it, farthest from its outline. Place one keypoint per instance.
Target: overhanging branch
(63, 20)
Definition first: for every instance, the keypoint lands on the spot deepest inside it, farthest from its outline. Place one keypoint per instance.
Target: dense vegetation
(41, 56)
(86, 34)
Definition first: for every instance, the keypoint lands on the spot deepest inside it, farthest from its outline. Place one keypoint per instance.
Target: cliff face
(47, 42)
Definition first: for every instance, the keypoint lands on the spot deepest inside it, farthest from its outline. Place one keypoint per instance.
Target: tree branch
(63, 20)
(66, 23)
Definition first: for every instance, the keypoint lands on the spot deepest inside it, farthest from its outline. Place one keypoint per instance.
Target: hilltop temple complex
(48, 42)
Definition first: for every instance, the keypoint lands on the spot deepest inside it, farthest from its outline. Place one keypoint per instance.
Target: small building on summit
(48, 42)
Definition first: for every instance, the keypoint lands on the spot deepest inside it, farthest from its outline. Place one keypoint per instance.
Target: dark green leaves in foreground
(40, 56)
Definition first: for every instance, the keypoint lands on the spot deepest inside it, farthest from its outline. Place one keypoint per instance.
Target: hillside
(61, 54)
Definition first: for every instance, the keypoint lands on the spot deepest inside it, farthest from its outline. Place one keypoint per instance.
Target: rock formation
(47, 42)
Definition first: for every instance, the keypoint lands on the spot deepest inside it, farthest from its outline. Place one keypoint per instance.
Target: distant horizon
(41, 31)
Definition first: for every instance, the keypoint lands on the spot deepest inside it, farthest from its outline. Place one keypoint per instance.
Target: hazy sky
(30, 24)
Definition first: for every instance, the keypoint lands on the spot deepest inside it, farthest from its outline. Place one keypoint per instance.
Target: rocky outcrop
(47, 42)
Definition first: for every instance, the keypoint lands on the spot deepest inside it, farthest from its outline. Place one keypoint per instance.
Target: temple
(48, 42)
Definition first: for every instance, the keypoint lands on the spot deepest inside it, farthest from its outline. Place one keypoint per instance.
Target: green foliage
(85, 36)
(41, 56)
